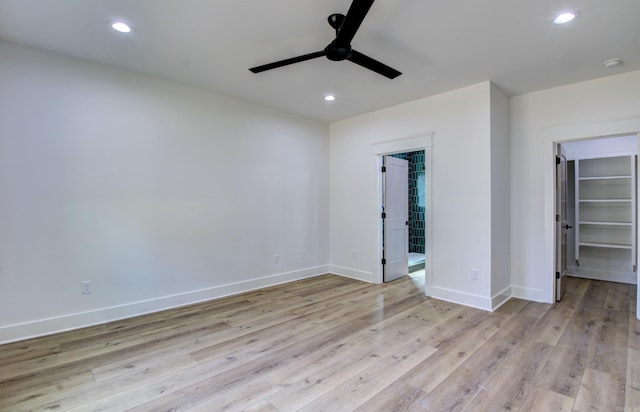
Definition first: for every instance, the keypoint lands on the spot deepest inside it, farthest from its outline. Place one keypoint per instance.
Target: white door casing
(403, 145)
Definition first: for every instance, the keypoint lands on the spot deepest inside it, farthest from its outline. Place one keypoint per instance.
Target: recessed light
(121, 27)
(565, 17)
(613, 62)
(329, 97)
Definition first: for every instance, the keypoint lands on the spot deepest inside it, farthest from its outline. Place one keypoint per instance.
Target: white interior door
(395, 218)
(561, 222)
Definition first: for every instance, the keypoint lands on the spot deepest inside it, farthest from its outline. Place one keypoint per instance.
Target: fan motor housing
(337, 53)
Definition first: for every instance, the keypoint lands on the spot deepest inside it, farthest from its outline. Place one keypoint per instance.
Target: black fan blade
(352, 21)
(372, 64)
(287, 62)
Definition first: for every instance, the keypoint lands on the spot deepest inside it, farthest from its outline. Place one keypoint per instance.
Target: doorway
(404, 230)
(402, 145)
(596, 209)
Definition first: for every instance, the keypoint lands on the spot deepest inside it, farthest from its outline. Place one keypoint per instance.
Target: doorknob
(568, 227)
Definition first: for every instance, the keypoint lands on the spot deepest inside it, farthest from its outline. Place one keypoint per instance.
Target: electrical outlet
(276, 259)
(354, 254)
(85, 287)
(301, 254)
(475, 274)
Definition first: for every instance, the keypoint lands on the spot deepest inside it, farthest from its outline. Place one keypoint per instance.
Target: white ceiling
(439, 45)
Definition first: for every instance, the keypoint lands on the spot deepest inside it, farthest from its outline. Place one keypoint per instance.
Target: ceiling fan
(340, 48)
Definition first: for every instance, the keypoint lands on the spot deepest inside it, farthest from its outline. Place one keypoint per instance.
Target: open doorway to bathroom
(416, 209)
(422, 191)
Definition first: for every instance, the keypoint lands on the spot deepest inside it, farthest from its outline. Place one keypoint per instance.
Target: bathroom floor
(416, 261)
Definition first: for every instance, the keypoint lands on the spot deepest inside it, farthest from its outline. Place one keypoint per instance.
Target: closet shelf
(604, 177)
(606, 245)
(604, 200)
(603, 223)
(605, 209)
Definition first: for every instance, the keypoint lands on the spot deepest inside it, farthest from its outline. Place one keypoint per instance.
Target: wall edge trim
(461, 298)
(72, 321)
(352, 273)
(532, 294)
(501, 298)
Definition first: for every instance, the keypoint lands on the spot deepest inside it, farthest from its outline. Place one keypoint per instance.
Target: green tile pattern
(416, 199)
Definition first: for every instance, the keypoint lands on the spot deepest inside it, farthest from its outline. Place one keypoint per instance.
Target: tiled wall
(416, 199)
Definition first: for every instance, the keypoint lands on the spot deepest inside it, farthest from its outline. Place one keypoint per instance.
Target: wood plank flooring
(336, 344)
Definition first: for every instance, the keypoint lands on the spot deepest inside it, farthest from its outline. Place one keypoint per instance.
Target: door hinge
(557, 160)
(557, 275)
(384, 215)
(384, 169)
(384, 261)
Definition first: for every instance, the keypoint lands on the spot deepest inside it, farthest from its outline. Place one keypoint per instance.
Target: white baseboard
(41, 327)
(536, 295)
(620, 277)
(462, 298)
(500, 298)
(352, 273)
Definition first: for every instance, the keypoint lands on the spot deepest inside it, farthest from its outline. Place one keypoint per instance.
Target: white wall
(158, 193)
(606, 106)
(500, 198)
(163, 195)
(461, 189)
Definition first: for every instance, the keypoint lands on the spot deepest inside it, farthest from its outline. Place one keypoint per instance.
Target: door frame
(559, 134)
(402, 145)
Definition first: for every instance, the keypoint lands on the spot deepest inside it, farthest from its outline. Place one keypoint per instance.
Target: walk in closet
(602, 193)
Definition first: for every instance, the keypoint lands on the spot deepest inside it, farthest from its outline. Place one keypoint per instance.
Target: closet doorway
(601, 208)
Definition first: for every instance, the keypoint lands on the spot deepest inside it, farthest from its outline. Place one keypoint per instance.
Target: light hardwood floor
(335, 344)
